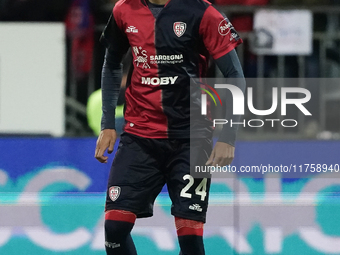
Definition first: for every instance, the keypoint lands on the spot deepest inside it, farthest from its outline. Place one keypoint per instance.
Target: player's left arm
(220, 39)
(224, 150)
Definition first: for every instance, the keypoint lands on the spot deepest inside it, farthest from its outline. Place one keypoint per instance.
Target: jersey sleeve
(113, 37)
(117, 44)
(218, 34)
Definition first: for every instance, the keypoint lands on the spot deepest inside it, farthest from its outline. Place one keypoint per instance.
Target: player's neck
(159, 2)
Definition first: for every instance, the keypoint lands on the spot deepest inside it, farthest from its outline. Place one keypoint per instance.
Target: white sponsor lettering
(159, 80)
(142, 58)
(173, 79)
(224, 27)
(166, 57)
(164, 81)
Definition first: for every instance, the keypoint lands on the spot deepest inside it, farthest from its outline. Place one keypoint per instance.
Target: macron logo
(131, 29)
(159, 80)
(195, 207)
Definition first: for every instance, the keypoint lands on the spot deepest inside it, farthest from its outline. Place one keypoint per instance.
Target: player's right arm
(116, 44)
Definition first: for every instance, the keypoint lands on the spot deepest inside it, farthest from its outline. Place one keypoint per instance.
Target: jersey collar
(146, 4)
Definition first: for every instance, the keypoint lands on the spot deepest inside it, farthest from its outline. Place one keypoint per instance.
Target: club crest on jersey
(114, 193)
(179, 28)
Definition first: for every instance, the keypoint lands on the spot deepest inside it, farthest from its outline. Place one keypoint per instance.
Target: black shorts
(142, 166)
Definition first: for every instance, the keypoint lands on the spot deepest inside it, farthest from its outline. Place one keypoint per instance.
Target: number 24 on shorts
(201, 189)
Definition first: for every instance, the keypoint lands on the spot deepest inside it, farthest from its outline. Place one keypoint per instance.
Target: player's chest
(168, 30)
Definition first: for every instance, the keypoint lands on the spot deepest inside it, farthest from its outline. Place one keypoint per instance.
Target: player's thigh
(135, 179)
(190, 195)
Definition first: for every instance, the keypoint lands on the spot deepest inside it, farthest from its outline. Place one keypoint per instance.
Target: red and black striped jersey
(167, 51)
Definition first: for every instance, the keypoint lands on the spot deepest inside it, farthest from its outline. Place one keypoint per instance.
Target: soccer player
(171, 41)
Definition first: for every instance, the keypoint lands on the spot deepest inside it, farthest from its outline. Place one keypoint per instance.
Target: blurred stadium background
(52, 189)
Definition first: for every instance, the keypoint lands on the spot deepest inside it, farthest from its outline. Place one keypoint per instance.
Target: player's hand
(222, 155)
(106, 141)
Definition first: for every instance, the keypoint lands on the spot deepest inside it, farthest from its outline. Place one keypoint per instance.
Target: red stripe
(188, 227)
(119, 215)
(144, 113)
(186, 231)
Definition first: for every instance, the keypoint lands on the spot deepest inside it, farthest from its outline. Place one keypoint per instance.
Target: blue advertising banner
(52, 194)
